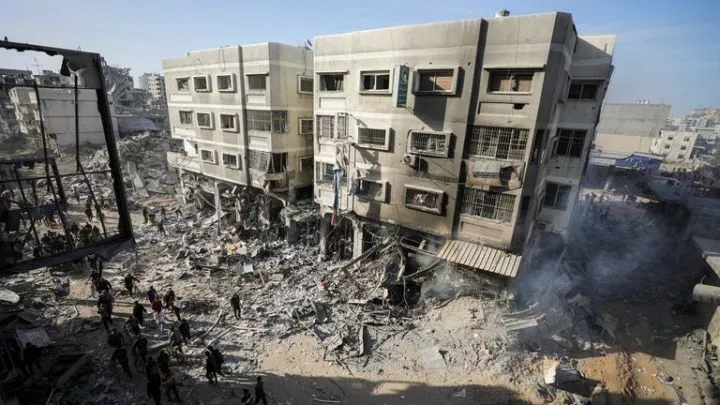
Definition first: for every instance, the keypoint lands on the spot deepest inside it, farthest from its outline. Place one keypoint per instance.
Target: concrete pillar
(357, 238)
(291, 230)
(324, 231)
(182, 188)
(218, 206)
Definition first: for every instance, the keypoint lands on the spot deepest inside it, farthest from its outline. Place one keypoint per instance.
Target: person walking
(161, 229)
(235, 304)
(153, 388)
(210, 368)
(120, 357)
(105, 316)
(158, 314)
(139, 312)
(260, 391)
(246, 398)
(184, 329)
(151, 294)
(130, 281)
(171, 386)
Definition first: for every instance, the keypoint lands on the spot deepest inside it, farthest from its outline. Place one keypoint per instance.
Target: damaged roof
(480, 257)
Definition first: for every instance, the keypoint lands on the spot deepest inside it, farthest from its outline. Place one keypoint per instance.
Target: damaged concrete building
(466, 135)
(244, 114)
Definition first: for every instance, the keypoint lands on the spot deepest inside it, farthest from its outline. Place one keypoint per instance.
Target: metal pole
(98, 210)
(77, 125)
(42, 134)
(22, 193)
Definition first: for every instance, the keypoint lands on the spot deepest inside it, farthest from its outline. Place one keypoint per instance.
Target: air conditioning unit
(410, 160)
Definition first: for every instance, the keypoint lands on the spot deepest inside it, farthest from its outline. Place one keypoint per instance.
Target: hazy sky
(667, 51)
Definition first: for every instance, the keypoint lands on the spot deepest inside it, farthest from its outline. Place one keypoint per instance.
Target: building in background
(244, 114)
(675, 145)
(154, 84)
(464, 134)
(9, 78)
(628, 128)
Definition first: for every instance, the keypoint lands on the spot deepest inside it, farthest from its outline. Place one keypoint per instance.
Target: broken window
(488, 204)
(325, 126)
(342, 125)
(537, 145)
(681, 156)
(683, 147)
(375, 81)
(331, 82)
(498, 142)
(426, 200)
(305, 85)
(508, 81)
(557, 196)
(278, 164)
(231, 160)
(201, 83)
(204, 120)
(183, 84)
(306, 126)
(570, 142)
(436, 81)
(258, 160)
(372, 136)
(228, 122)
(583, 90)
(272, 121)
(370, 189)
(306, 164)
(186, 117)
(667, 146)
(207, 155)
(325, 173)
(428, 143)
(257, 82)
(225, 83)
(686, 139)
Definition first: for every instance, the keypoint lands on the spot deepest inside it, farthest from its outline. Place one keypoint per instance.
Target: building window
(201, 83)
(228, 122)
(342, 125)
(305, 85)
(583, 91)
(488, 204)
(441, 81)
(204, 120)
(498, 142)
(425, 200)
(271, 121)
(183, 83)
(370, 189)
(325, 173)
(226, 83)
(207, 156)
(306, 126)
(686, 139)
(508, 81)
(429, 143)
(557, 196)
(331, 82)
(375, 81)
(258, 160)
(306, 164)
(670, 138)
(325, 126)
(257, 82)
(683, 148)
(231, 160)
(667, 146)
(681, 156)
(373, 138)
(278, 163)
(186, 117)
(570, 142)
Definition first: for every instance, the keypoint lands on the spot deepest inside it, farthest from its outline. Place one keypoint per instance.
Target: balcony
(180, 161)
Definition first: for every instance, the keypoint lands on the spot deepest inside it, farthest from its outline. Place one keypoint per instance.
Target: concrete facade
(676, 146)
(627, 127)
(154, 84)
(238, 110)
(471, 151)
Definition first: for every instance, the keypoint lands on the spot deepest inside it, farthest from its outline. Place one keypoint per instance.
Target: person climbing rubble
(171, 386)
(235, 304)
(115, 339)
(163, 216)
(218, 358)
(210, 368)
(153, 388)
(158, 314)
(260, 391)
(163, 361)
(139, 312)
(146, 215)
(175, 339)
(120, 357)
(184, 329)
(130, 281)
(140, 348)
(161, 229)
(93, 279)
(151, 294)
(169, 298)
(105, 316)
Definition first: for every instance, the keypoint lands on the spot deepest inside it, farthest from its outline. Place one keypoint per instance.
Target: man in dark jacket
(235, 304)
(139, 312)
(184, 329)
(260, 391)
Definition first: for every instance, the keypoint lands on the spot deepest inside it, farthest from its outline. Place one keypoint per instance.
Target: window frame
(417, 77)
(516, 144)
(208, 82)
(300, 125)
(500, 214)
(412, 150)
(559, 188)
(440, 201)
(299, 84)
(235, 126)
(230, 89)
(321, 82)
(212, 153)
(375, 73)
(317, 127)
(209, 114)
(301, 166)
(177, 84)
(582, 84)
(252, 120)
(248, 76)
(382, 197)
(238, 160)
(570, 143)
(180, 116)
(386, 144)
(493, 73)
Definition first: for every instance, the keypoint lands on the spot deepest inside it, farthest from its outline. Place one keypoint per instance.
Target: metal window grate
(227, 121)
(258, 160)
(342, 126)
(306, 125)
(423, 199)
(271, 121)
(231, 160)
(372, 136)
(204, 120)
(225, 82)
(257, 82)
(183, 84)
(186, 117)
(207, 155)
(325, 126)
(498, 142)
(488, 204)
(570, 142)
(325, 173)
(428, 143)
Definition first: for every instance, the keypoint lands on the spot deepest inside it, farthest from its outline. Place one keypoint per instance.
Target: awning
(480, 257)
(710, 251)
(491, 173)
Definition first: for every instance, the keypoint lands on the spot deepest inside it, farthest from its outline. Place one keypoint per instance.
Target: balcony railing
(185, 162)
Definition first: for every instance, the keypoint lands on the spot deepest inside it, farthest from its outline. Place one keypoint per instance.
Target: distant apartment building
(154, 84)
(675, 145)
(625, 128)
(10, 78)
(244, 114)
(467, 135)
